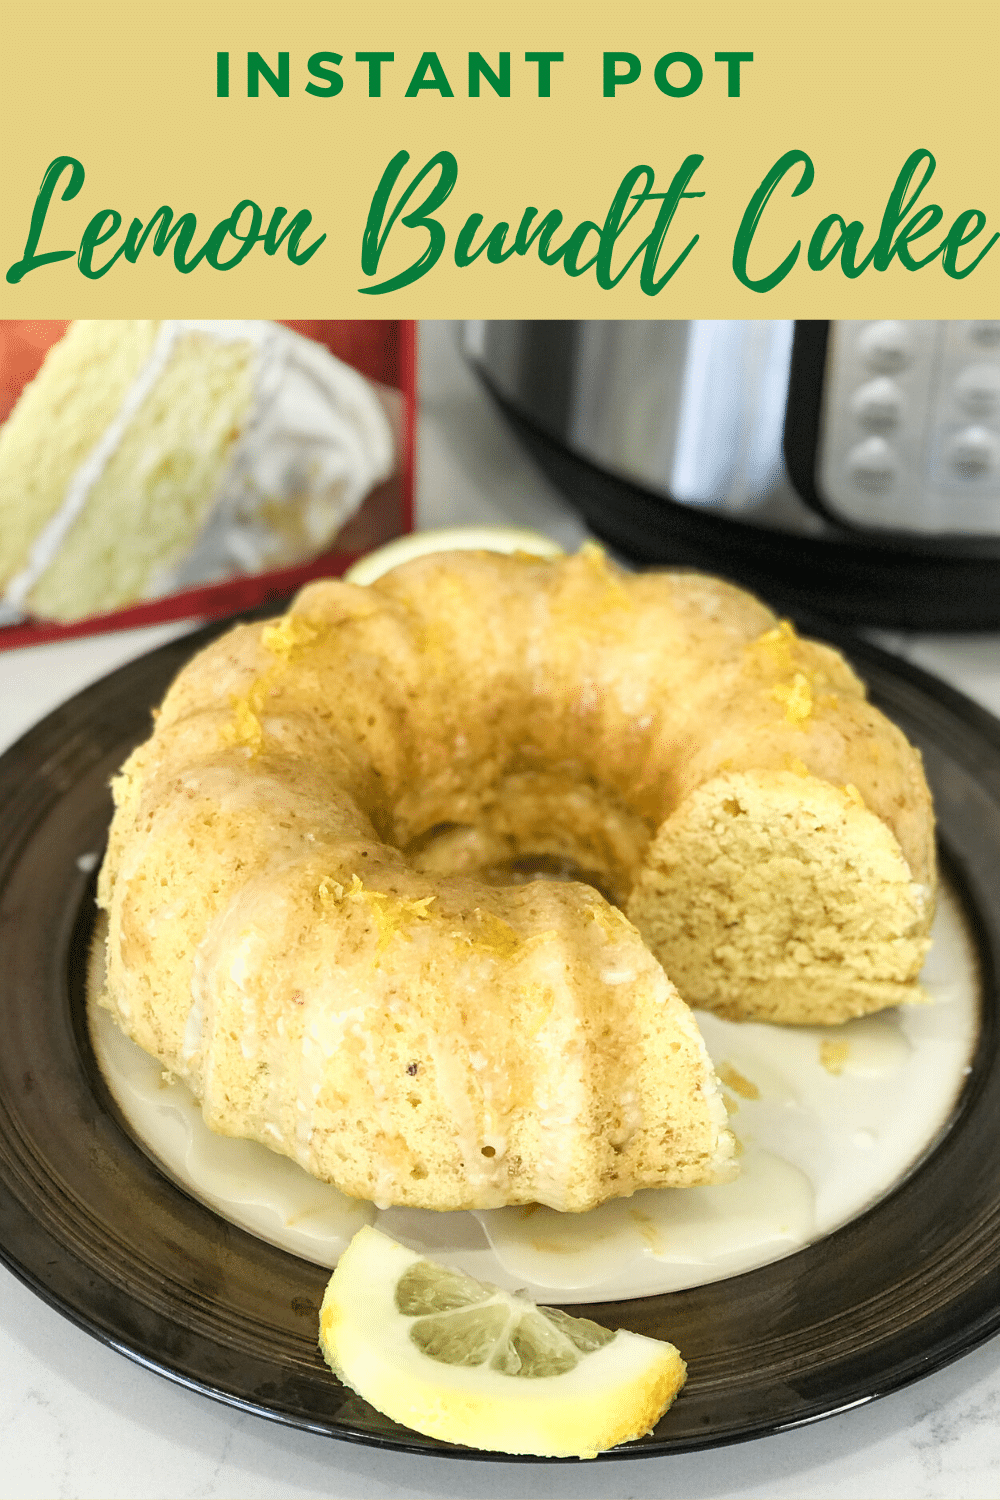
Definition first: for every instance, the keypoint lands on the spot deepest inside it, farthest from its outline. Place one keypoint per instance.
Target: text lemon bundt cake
(305, 919)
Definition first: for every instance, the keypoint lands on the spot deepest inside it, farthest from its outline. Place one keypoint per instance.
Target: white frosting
(315, 437)
(841, 1114)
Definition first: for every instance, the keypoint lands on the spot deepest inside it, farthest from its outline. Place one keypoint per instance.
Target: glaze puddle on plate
(828, 1119)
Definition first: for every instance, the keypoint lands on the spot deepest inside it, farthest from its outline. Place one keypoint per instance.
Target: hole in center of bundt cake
(528, 867)
(463, 849)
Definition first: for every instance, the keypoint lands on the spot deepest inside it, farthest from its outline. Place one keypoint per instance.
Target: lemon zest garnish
(284, 640)
(496, 935)
(797, 698)
(833, 1056)
(777, 645)
(393, 914)
(246, 727)
(775, 651)
(736, 1081)
(288, 638)
(614, 924)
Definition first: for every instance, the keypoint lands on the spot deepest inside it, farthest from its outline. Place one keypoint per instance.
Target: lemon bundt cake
(149, 457)
(311, 879)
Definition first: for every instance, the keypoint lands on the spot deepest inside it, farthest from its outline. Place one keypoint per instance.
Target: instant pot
(849, 470)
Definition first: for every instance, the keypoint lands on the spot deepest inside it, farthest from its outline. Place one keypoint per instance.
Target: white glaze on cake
(819, 1146)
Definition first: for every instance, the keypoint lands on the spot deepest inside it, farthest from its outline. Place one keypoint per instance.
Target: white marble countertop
(78, 1420)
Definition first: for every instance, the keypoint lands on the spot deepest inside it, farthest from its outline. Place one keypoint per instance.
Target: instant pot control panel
(909, 433)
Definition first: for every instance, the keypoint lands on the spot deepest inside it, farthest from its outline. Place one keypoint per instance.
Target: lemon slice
(460, 1360)
(449, 539)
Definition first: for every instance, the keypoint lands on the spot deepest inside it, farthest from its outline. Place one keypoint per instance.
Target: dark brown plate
(90, 1223)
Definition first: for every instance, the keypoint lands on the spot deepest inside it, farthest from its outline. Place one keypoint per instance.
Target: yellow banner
(725, 160)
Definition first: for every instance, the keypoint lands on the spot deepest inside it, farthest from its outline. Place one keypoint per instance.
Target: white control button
(972, 452)
(886, 347)
(986, 334)
(978, 390)
(878, 404)
(872, 466)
